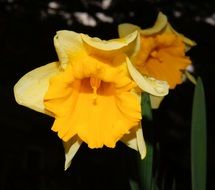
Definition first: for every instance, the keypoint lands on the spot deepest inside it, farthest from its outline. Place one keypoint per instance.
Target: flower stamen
(95, 83)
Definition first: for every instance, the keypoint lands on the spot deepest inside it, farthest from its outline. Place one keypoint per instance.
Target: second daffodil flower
(160, 53)
(89, 92)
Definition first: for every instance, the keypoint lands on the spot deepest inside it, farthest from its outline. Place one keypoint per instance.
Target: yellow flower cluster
(93, 90)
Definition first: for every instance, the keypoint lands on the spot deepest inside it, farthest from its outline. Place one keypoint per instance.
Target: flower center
(95, 84)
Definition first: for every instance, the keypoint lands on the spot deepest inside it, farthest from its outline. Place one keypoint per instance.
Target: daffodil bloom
(94, 82)
(89, 91)
(161, 51)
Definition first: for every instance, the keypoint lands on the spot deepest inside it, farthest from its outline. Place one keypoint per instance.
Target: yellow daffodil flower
(160, 53)
(79, 96)
(89, 92)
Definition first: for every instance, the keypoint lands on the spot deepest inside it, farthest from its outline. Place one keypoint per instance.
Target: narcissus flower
(161, 51)
(89, 92)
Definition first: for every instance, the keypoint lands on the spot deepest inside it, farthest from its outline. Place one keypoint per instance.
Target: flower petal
(71, 147)
(135, 140)
(191, 78)
(159, 25)
(109, 45)
(98, 129)
(155, 101)
(141, 142)
(109, 48)
(127, 28)
(130, 139)
(188, 42)
(29, 91)
(67, 44)
(68, 97)
(148, 84)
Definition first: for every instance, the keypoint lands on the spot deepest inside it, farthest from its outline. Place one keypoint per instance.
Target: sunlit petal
(71, 147)
(126, 28)
(29, 91)
(148, 84)
(67, 44)
(109, 45)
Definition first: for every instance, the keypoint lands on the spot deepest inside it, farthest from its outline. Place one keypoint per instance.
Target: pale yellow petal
(135, 140)
(67, 44)
(71, 147)
(29, 91)
(127, 28)
(159, 25)
(155, 101)
(136, 47)
(109, 48)
(190, 77)
(148, 84)
(109, 45)
(141, 142)
(130, 139)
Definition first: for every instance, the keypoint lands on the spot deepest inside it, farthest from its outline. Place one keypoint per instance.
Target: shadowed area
(32, 156)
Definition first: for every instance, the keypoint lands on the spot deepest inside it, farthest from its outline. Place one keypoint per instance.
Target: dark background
(32, 156)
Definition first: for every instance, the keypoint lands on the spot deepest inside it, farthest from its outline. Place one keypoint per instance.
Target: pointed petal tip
(71, 147)
(160, 23)
(142, 155)
(156, 101)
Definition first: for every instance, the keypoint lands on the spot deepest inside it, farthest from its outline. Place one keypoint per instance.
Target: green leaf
(173, 184)
(133, 185)
(146, 107)
(198, 138)
(145, 165)
(154, 185)
(145, 169)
